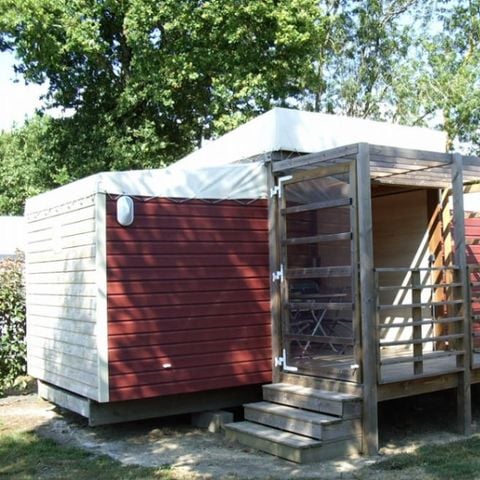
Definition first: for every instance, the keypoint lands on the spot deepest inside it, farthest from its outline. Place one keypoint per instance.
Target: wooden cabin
(373, 285)
(150, 287)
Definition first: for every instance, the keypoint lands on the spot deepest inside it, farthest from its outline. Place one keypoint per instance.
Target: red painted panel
(185, 324)
(188, 347)
(192, 298)
(187, 248)
(472, 234)
(193, 223)
(186, 311)
(189, 361)
(140, 235)
(150, 287)
(188, 286)
(204, 334)
(212, 383)
(184, 273)
(225, 259)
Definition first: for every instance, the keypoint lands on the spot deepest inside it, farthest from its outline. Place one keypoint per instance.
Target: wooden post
(367, 301)
(274, 261)
(464, 406)
(415, 282)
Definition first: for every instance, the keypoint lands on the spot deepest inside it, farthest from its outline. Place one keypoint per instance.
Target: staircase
(301, 424)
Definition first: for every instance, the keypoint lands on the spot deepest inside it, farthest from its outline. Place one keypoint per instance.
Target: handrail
(402, 337)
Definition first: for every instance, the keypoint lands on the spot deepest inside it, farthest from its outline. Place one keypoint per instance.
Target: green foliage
(145, 81)
(148, 80)
(12, 321)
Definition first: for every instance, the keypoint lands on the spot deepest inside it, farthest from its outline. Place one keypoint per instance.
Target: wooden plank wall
(400, 238)
(61, 302)
(472, 245)
(188, 298)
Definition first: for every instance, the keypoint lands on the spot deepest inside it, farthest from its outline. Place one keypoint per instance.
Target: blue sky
(17, 100)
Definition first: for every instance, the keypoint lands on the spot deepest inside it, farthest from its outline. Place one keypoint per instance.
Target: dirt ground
(193, 453)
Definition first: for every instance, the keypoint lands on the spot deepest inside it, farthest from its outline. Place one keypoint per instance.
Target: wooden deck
(397, 379)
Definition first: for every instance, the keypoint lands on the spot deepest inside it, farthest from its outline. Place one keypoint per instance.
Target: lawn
(458, 460)
(25, 456)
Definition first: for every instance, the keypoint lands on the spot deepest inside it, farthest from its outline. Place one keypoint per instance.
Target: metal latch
(277, 189)
(278, 275)
(282, 362)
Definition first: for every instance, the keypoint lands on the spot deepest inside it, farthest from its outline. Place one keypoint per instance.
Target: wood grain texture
(188, 298)
(61, 302)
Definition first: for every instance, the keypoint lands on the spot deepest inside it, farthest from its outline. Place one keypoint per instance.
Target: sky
(17, 100)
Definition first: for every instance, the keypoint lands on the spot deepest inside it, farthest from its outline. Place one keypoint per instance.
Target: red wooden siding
(472, 240)
(187, 286)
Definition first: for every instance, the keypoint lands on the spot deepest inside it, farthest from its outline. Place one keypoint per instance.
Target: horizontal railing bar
(332, 237)
(419, 286)
(337, 202)
(417, 341)
(473, 266)
(410, 269)
(320, 305)
(420, 358)
(419, 376)
(419, 305)
(319, 272)
(476, 318)
(437, 321)
(319, 339)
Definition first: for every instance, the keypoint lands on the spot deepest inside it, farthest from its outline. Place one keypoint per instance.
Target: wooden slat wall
(472, 245)
(400, 237)
(61, 301)
(188, 298)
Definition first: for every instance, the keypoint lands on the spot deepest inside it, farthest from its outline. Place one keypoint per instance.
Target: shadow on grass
(27, 456)
(455, 460)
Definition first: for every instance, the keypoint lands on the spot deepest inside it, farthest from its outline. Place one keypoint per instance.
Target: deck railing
(419, 322)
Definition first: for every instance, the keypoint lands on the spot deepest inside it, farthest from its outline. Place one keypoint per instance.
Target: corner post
(274, 260)
(367, 301)
(464, 402)
(101, 296)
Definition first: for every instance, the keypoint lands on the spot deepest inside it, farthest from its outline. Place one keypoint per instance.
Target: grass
(25, 456)
(458, 460)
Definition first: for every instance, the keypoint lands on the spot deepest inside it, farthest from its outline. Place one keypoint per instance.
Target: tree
(148, 80)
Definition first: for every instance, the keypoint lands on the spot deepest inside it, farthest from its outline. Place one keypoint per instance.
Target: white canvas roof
(308, 132)
(216, 171)
(243, 181)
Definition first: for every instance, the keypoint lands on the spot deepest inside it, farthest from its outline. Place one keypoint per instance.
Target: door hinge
(277, 189)
(278, 275)
(282, 362)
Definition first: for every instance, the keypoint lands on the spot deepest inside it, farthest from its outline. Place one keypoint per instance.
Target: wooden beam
(307, 207)
(322, 238)
(464, 406)
(367, 301)
(406, 181)
(311, 159)
(410, 154)
(319, 272)
(274, 262)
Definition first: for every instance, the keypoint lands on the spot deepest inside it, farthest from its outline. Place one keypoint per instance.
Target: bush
(13, 361)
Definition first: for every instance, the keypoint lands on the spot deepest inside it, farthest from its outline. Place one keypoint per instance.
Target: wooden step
(296, 448)
(302, 422)
(321, 383)
(343, 405)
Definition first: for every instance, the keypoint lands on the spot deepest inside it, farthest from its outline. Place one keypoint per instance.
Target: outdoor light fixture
(125, 212)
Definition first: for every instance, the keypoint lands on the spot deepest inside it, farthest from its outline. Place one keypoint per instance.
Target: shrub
(12, 321)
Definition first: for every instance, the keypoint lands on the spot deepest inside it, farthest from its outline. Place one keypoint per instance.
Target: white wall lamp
(125, 211)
